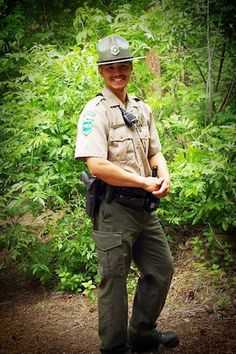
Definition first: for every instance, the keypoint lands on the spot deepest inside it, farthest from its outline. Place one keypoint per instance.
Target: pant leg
(115, 230)
(152, 255)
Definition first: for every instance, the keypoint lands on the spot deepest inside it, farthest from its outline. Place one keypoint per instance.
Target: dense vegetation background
(48, 51)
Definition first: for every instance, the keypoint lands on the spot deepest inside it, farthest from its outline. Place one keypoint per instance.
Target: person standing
(118, 140)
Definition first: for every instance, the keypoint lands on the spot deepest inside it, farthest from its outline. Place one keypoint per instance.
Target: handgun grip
(84, 177)
(154, 171)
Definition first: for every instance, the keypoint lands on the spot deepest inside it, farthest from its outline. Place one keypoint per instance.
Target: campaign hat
(114, 49)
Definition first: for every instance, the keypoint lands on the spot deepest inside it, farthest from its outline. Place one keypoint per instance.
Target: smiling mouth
(118, 79)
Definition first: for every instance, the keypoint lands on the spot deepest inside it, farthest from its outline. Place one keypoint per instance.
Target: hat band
(114, 60)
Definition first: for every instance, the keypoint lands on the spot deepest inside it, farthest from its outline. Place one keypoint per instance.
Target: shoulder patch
(87, 124)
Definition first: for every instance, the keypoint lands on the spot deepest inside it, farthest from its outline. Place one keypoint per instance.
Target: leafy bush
(213, 254)
(203, 190)
(63, 255)
(39, 116)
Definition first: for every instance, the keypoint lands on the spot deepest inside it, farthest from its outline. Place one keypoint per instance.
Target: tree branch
(227, 95)
(221, 66)
(48, 28)
(200, 71)
(209, 79)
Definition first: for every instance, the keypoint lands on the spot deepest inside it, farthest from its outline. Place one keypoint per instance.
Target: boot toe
(167, 339)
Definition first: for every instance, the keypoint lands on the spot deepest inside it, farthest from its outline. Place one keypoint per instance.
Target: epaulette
(99, 95)
(137, 99)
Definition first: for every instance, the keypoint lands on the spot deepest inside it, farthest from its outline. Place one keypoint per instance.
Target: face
(116, 76)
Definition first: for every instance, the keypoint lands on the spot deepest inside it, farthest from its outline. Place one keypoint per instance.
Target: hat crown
(113, 49)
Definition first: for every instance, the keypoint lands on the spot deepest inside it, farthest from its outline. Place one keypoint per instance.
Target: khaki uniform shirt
(103, 133)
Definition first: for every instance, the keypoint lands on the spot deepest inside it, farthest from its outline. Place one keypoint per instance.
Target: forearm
(159, 161)
(116, 176)
(113, 174)
(163, 174)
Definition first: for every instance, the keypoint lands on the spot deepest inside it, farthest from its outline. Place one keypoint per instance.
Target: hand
(163, 188)
(153, 184)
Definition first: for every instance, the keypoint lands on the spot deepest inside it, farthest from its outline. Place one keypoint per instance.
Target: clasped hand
(159, 187)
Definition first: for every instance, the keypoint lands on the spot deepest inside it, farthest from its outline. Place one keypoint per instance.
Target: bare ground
(37, 320)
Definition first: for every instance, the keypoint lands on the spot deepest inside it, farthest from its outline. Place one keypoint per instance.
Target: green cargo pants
(122, 234)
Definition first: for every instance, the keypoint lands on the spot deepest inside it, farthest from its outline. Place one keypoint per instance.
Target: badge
(115, 50)
(87, 124)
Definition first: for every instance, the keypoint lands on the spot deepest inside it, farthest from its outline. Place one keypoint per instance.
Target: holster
(94, 190)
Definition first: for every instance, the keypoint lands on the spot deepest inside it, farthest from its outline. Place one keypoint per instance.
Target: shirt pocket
(121, 144)
(109, 252)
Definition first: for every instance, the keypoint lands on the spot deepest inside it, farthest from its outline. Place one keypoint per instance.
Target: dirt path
(36, 320)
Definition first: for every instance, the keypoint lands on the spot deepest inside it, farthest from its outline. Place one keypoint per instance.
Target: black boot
(168, 339)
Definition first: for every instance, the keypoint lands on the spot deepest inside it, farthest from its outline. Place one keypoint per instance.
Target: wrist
(142, 182)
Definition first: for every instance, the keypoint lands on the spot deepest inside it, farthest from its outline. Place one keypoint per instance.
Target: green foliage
(213, 254)
(32, 256)
(69, 281)
(224, 303)
(63, 255)
(39, 114)
(29, 22)
(203, 173)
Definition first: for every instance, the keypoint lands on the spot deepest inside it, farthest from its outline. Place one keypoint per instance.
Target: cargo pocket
(109, 252)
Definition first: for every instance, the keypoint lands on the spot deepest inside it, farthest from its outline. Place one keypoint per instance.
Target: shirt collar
(113, 100)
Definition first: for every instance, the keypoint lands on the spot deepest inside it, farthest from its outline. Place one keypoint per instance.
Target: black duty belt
(131, 197)
(130, 192)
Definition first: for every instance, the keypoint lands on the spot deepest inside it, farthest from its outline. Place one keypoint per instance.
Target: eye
(125, 67)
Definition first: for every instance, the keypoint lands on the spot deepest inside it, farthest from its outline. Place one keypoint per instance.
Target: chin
(118, 86)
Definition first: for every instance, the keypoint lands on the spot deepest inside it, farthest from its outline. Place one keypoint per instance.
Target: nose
(117, 71)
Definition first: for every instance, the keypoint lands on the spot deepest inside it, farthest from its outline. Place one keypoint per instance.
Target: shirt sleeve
(92, 132)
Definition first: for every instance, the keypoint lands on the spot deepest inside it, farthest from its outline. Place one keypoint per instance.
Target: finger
(162, 192)
(159, 181)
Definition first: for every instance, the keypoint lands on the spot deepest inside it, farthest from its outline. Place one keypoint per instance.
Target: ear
(100, 70)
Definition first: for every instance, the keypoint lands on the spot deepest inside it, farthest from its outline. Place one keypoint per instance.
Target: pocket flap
(107, 240)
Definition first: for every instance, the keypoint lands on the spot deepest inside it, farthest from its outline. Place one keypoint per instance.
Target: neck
(121, 94)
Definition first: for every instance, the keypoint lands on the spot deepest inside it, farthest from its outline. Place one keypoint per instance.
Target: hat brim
(122, 60)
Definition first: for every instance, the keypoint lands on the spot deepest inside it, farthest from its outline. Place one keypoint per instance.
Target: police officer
(122, 153)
